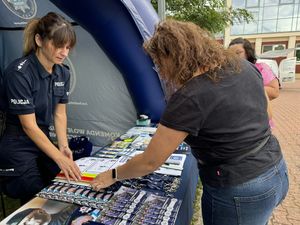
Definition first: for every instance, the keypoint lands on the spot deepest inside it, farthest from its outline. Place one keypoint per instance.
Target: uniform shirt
(29, 88)
(224, 120)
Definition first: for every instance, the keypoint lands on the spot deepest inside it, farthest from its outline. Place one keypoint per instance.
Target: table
(186, 192)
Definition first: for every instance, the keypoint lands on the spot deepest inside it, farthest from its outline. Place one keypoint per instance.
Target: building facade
(276, 26)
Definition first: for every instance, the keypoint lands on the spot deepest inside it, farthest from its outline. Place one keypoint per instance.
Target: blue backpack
(81, 147)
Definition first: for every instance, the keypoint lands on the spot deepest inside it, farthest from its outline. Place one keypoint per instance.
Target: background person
(220, 110)
(36, 89)
(40, 216)
(31, 216)
(244, 49)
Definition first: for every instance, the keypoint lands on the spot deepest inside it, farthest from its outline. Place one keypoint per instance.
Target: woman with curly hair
(220, 110)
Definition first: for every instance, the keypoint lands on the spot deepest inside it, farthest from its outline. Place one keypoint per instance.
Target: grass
(10, 204)
(197, 216)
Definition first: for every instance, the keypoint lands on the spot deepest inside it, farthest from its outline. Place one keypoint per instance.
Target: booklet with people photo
(122, 206)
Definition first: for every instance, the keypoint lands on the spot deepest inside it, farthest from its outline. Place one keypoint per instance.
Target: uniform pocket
(59, 91)
(15, 155)
(255, 209)
(284, 182)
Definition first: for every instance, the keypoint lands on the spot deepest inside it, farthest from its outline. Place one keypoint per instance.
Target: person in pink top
(244, 49)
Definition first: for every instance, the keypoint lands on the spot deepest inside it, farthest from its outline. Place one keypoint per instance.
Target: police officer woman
(36, 89)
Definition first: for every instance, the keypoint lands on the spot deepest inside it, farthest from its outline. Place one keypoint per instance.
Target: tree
(212, 15)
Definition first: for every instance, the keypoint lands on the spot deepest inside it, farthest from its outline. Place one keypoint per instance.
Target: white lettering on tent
(76, 131)
(106, 134)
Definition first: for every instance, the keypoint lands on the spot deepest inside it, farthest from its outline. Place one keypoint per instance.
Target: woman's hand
(66, 151)
(103, 180)
(68, 167)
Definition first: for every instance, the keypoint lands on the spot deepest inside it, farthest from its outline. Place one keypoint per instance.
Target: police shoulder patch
(22, 65)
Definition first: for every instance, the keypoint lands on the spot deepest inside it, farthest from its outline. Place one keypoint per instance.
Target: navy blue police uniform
(29, 88)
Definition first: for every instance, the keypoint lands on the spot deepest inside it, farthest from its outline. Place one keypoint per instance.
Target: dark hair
(36, 213)
(188, 47)
(50, 27)
(250, 52)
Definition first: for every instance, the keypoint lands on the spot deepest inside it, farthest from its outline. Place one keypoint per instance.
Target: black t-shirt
(29, 88)
(225, 120)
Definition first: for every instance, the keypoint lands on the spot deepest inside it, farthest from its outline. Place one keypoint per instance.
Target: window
(294, 25)
(251, 28)
(238, 3)
(237, 29)
(271, 2)
(255, 13)
(279, 47)
(270, 16)
(270, 12)
(295, 13)
(286, 1)
(285, 11)
(284, 25)
(269, 26)
(297, 52)
(298, 24)
(266, 48)
(252, 3)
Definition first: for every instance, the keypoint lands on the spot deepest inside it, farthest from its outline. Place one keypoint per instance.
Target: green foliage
(155, 5)
(212, 15)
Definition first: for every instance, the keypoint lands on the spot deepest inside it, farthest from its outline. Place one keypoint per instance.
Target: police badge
(25, 9)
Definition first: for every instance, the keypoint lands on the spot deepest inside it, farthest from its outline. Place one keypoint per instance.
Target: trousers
(25, 168)
(250, 203)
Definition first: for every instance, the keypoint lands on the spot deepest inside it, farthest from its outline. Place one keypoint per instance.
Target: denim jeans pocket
(255, 209)
(285, 183)
(286, 177)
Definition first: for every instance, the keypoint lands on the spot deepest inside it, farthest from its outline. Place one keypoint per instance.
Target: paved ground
(286, 114)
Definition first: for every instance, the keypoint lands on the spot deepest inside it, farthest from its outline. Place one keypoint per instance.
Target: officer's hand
(103, 180)
(68, 167)
(66, 151)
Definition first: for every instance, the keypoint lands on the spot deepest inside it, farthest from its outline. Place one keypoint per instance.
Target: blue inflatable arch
(120, 28)
(112, 79)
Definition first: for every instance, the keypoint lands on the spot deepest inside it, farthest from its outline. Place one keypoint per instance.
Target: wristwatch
(114, 174)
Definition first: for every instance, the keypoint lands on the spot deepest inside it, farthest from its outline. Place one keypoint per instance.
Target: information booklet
(123, 206)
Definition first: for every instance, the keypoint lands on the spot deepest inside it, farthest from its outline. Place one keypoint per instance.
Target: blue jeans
(250, 203)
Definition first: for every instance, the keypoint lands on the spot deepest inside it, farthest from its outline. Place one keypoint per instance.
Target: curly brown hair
(189, 48)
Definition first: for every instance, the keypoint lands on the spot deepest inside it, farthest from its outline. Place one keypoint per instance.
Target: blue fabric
(81, 147)
(137, 19)
(16, 14)
(187, 190)
(26, 168)
(147, 13)
(29, 88)
(114, 29)
(247, 204)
